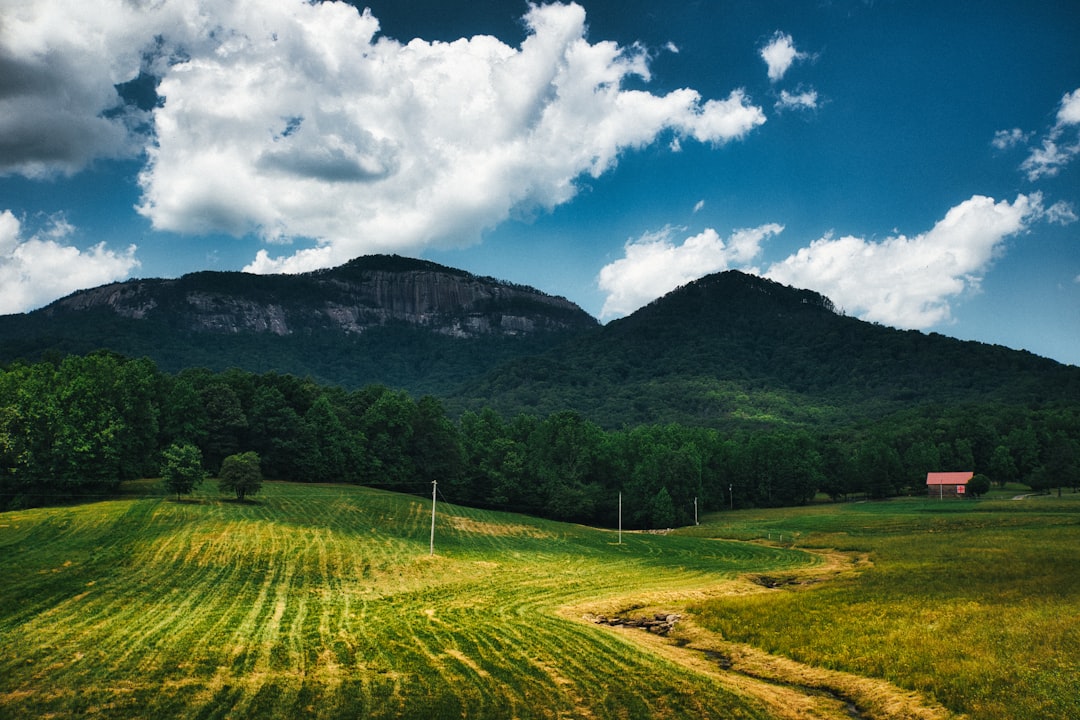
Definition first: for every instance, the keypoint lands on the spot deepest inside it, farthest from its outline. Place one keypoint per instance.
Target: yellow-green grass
(974, 604)
(322, 601)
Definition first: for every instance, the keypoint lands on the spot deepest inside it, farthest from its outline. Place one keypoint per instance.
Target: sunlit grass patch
(974, 604)
(323, 601)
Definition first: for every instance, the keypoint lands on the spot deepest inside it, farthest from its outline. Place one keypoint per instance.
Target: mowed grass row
(322, 601)
(974, 604)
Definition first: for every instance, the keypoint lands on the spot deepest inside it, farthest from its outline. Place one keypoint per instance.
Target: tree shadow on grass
(239, 501)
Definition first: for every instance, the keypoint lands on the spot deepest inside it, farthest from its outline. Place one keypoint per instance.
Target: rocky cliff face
(367, 292)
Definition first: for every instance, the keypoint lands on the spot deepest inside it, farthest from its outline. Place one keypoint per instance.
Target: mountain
(728, 350)
(377, 319)
(737, 349)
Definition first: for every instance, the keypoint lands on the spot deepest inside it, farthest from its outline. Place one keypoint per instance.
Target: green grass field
(323, 601)
(974, 604)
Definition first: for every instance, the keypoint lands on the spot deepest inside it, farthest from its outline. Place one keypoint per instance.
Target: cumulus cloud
(654, 264)
(1007, 139)
(780, 54)
(37, 269)
(906, 282)
(60, 65)
(1060, 145)
(805, 100)
(1069, 110)
(909, 282)
(293, 119)
(1061, 213)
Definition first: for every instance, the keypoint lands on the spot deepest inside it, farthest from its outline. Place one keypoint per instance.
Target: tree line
(77, 426)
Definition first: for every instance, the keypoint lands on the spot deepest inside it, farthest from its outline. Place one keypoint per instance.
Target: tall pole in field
(620, 518)
(434, 485)
(695, 512)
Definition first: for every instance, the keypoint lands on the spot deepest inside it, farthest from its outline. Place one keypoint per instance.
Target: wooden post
(434, 485)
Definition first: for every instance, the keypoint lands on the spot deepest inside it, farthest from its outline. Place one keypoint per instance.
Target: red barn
(947, 484)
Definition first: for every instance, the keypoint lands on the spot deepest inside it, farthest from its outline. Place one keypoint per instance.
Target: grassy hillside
(323, 601)
(976, 604)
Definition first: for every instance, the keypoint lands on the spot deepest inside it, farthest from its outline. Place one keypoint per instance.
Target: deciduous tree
(978, 486)
(181, 468)
(241, 474)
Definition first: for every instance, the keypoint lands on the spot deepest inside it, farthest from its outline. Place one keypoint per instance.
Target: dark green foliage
(241, 474)
(564, 460)
(226, 423)
(1060, 466)
(76, 427)
(1002, 466)
(278, 434)
(436, 448)
(122, 415)
(978, 486)
(662, 512)
(326, 452)
(199, 321)
(733, 391)
(737, 351)
(181, 468)
(387, 425)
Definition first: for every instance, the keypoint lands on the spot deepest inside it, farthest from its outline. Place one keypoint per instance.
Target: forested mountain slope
(377, 319)
(728, 350)
(733, 348)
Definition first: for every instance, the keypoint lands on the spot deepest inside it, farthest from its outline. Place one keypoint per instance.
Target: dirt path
(787, 689)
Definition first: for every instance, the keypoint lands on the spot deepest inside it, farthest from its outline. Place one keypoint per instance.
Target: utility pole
(620, 518)
(434, 485)
(695, 512)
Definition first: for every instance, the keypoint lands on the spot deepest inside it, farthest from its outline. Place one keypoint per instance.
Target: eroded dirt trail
(790, 690)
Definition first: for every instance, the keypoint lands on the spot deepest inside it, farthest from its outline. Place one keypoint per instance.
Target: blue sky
(917, 162)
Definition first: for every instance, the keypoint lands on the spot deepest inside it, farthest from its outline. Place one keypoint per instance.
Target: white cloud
(699, 205)
(1007, 139)
(1047, 161)
(1069, 110)
(294, 119)
(1061, 213)
(368, 145)
(806, 100)
(909, 282)
(1060, 145)
(60, 62)
(654, 265)
(780, 54)
(42, 267)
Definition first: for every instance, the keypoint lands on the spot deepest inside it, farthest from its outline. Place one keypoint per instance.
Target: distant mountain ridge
(368, 292)
(733, 348)
(381, 319)
(727, 350)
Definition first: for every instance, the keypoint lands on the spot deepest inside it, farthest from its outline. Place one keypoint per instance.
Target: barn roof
(949, 478)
